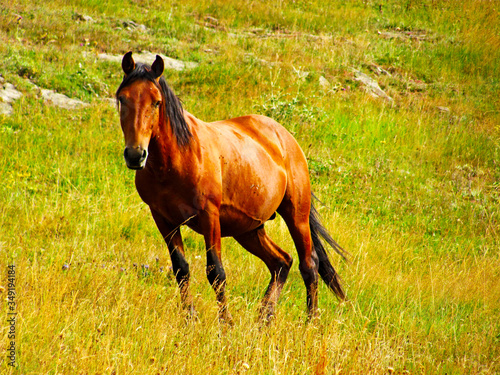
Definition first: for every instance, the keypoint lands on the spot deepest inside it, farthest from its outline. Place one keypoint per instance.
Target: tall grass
(411, 190)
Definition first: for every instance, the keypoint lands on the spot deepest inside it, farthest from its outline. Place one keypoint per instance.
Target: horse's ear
(128, 64)
(158, 67)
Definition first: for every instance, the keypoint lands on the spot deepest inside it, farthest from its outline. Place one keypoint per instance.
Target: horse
(223, 178)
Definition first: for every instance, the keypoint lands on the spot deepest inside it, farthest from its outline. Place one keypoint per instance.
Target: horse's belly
(250, 200)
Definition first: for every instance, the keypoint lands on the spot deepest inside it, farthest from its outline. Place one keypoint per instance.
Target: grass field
(411, 187)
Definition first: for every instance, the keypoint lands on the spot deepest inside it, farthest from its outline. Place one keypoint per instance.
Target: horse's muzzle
(135, 157)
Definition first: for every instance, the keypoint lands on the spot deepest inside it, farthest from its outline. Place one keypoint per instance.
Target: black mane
(171, 103)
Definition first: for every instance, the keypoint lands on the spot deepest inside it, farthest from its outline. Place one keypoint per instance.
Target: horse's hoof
(225, 318)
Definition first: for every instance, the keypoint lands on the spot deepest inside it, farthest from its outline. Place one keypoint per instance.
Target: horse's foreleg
(181, 270)
(180, 266)
(215, 271)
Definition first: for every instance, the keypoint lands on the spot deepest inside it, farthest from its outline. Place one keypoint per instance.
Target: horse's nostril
(144, 154)
(125, 153)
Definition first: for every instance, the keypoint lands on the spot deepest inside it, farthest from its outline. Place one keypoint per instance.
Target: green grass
(411, 191)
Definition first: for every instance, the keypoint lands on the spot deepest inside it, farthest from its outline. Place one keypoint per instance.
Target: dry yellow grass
(410, 190)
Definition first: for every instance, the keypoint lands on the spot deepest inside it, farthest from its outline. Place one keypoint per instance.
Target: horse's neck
(167, 154)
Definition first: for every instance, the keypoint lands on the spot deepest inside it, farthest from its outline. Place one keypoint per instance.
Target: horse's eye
(157, 104)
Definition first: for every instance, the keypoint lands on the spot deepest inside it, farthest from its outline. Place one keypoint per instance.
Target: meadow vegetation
(410, 188)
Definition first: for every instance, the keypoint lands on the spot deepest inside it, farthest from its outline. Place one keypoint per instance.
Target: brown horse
(224, 178)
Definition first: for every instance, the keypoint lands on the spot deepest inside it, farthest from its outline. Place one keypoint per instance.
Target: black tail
(326, 270)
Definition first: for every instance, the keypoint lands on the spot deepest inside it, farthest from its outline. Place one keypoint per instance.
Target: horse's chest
(173, 203)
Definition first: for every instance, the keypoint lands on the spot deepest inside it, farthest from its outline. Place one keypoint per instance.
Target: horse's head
(140, 101)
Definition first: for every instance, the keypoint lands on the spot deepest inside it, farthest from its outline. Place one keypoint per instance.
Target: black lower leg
(215, 272)
(181, 270)
(180, 266)
(217, 278)
(310, 276)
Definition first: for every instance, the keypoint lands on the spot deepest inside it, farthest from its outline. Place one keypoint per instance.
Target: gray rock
(371, 86)
(88, 18)
(378, 70)
(8, 94)
(323, 82)
(83, 17)
(61, 100)
(131, 26)
(331, 87)
(443, 109)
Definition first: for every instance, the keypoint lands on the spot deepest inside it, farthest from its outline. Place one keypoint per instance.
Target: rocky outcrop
(8, 94)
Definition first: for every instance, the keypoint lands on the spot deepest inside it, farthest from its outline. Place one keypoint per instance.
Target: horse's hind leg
(277, 260)
(296, 216)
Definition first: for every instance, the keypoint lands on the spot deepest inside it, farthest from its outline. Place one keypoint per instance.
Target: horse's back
(268, 133)
(254, 130)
